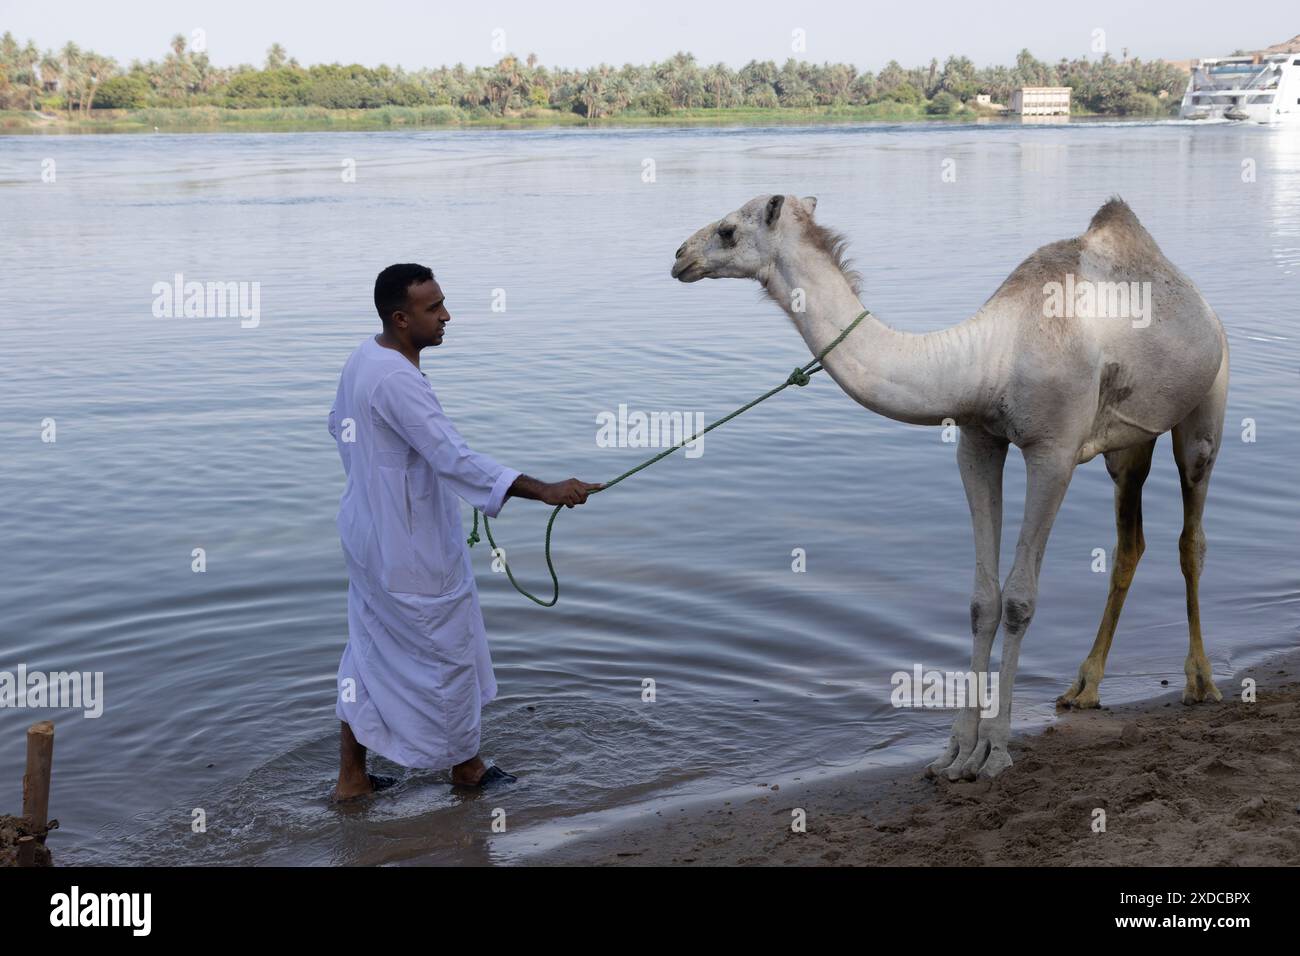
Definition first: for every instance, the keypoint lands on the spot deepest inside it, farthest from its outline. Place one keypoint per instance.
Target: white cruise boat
(1255, 88)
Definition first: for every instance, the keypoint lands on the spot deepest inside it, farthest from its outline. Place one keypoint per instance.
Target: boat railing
(1264, 78)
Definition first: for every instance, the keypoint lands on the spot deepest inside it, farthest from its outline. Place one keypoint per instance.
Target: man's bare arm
(570, 493)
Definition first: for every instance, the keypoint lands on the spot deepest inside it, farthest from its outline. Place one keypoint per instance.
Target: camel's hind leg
(1197, 439)
(1128, 468)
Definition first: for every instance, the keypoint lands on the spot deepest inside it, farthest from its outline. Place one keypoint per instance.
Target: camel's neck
(921, 379)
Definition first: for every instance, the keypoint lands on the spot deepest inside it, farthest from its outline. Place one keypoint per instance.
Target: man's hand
(568, 493)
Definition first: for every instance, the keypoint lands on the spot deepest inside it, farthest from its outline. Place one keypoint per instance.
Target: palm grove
(77, 81)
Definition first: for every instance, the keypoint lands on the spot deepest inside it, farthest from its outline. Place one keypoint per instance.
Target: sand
(1212, 784)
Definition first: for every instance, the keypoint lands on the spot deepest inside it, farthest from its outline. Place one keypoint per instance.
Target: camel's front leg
(980, 456)
(1048, 476)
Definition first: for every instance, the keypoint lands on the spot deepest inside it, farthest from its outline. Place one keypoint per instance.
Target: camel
(1062, 384)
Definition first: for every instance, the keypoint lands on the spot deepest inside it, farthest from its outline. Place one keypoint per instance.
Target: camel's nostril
(680, 250)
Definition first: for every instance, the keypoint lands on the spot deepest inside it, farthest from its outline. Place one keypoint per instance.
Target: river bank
(213, 119)
(1213, 785)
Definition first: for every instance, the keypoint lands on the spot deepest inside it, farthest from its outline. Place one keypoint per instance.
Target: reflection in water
(1281, 159)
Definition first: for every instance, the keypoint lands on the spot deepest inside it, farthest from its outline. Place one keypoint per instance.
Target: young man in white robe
(416, 669)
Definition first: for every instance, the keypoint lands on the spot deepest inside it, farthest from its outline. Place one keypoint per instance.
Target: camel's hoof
(941, 770)
(1087, 699)
(943, 761)
(1085, 692)
(947, 767)
(987, 761)
(937, 767)
(998, 761)
(1200, 689)
(971, 768)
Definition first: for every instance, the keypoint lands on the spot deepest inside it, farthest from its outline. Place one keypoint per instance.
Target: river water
(176, 434)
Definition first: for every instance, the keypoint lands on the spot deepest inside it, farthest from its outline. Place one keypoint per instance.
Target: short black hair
(392, 283)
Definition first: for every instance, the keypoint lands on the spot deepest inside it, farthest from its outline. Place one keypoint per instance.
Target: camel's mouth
(686, 270)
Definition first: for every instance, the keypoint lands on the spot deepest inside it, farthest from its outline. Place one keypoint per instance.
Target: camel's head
(744, 243)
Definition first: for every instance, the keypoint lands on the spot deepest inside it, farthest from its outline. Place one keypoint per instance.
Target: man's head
(411, 305)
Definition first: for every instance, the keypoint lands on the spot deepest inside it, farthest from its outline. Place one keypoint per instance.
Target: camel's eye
(727, 234)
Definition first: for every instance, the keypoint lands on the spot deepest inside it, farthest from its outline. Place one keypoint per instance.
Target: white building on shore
(1041, 101)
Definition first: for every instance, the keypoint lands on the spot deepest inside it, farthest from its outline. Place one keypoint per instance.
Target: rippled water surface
(176, 434)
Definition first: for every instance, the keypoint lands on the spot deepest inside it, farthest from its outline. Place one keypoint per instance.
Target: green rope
(800, 376)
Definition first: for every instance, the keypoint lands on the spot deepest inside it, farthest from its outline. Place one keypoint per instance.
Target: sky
(585, 33)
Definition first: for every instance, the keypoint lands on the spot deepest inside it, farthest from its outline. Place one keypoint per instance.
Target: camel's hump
(1116, 223)
(1114, 239)
(1115, 212)
(1115, 230)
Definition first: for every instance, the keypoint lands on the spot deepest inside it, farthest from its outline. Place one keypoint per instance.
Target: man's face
(426, 313)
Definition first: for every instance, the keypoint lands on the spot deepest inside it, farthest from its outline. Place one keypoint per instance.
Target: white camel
(1044, 364)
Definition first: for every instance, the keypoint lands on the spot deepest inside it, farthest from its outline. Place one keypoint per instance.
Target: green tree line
(76, 80)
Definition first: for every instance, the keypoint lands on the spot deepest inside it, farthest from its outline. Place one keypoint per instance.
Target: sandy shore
(1214, 784)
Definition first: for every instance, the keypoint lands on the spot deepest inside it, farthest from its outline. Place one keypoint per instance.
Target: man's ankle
(469, 771)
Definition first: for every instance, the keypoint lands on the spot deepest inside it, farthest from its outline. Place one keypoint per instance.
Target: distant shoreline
(212, 119)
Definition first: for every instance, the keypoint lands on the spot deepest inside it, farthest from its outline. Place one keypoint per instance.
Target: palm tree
(51, 73)
(591, 92)
(718, 79)
(618, 94)
(71, 70)
(178, 75)
(276, 57)
(98, 69)
(503, 80)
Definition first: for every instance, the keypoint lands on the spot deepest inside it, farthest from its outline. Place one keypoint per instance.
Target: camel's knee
(1018, 608)
(1197, 459)
(985, 609)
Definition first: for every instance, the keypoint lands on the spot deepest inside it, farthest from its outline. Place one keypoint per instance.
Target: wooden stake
(27, 851)
(36, 781)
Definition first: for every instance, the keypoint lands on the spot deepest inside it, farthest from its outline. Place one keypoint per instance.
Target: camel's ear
(774, 209)
(809, 203)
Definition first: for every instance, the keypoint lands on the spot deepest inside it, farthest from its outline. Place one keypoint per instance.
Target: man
(416, 669)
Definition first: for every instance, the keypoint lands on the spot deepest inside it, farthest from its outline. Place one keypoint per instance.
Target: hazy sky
(586, 32)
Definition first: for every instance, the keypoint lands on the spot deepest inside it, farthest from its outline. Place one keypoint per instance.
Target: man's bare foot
(469, 773)
(352, 785)
(352, 788)
(353, 779)
(474, 773)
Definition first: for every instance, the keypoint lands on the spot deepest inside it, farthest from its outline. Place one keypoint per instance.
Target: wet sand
(1211, 784)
